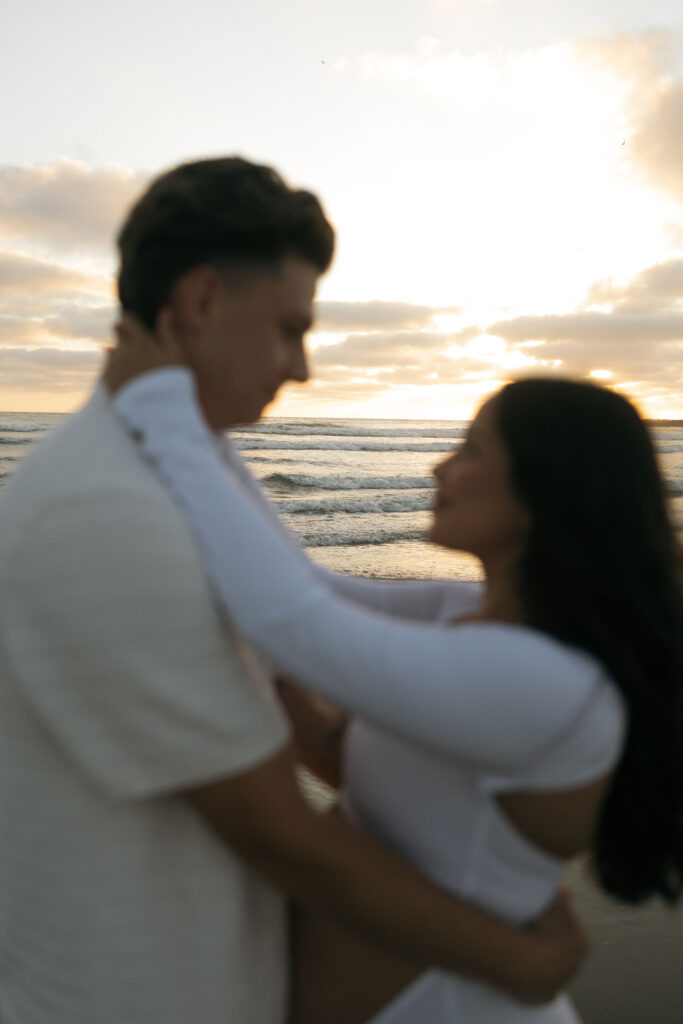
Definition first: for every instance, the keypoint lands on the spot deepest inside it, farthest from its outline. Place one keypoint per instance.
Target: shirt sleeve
(116, 643)
(492, 695)
(422, 600)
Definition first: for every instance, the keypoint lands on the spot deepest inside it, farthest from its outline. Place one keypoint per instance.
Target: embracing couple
(153, 829)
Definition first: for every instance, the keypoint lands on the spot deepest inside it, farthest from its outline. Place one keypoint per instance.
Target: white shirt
(120, 686)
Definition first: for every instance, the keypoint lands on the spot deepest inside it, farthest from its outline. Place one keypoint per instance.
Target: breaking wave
(398, 503)
(292, 482)
(355, 444)
(334, 538)
(331, 429)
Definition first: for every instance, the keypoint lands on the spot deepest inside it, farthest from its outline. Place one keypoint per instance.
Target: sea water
(357, 493)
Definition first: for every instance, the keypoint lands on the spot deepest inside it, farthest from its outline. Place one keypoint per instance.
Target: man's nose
(298, 369)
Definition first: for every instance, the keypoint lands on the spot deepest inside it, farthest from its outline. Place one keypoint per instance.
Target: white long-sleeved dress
(447, 716)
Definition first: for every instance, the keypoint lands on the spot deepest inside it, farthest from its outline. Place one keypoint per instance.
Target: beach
(357, 494)
(634, 972)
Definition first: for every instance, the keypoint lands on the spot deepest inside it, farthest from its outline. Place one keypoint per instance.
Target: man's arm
(322, 861)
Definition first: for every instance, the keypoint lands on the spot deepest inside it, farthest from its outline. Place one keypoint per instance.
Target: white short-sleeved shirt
(119, 688)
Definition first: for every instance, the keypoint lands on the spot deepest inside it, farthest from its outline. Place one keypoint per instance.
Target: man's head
(236, 254)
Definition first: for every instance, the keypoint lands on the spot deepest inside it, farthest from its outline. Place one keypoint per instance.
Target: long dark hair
(602, 571)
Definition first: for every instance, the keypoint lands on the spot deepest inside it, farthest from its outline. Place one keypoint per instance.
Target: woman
(545, 721)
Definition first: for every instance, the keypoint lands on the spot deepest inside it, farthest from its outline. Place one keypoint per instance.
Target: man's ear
(191, 300)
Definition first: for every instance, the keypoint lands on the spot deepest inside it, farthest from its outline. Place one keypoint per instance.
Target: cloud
(49, 369)
(640, 339)
(654, 104)
(658, 138)
(639, 336)
(43, 301)
(16, 329)
(20, 272)
(66, 205)
(587, 96)
(593, 328)
(83, 323)
(376, 362)
(39, 326)
(373, 351)
(652, 289)
(376, 315)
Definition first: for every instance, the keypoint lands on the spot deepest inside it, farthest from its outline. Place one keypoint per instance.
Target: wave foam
(328, 429)
(395, 504)
(289, 482)
(337, 538)
(23, 428)
(357, 445)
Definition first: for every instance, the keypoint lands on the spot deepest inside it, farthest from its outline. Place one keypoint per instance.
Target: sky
(505, 178)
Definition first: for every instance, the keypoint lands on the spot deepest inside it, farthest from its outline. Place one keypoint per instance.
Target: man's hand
(139, 350)
(557, 950)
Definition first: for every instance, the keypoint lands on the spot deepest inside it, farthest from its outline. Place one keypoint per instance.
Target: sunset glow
(507, 200)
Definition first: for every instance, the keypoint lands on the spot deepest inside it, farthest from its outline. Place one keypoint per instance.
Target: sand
(634, 973)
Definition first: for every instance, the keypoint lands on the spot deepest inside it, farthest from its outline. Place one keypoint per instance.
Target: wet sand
(634, 973)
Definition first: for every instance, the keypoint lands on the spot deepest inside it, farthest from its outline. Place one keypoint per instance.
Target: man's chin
(267, 404)
(433, 536)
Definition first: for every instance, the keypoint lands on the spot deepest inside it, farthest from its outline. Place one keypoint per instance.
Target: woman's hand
(140, 351)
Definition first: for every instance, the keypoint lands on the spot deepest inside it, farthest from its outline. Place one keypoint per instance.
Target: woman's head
(582, 463)
(599, 568)
(553, 463)
(477, 508)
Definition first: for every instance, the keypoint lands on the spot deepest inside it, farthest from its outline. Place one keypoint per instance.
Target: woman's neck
(502, 601)
(499, 606)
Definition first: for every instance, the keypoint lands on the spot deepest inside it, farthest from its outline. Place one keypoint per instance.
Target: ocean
(357, 493)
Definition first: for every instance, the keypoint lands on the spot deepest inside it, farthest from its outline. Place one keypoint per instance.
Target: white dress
(449, 716)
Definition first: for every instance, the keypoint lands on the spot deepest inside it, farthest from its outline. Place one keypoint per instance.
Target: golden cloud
(66, 205)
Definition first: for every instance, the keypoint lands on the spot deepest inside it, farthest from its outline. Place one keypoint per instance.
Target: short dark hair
(225, 212)
(602, 571)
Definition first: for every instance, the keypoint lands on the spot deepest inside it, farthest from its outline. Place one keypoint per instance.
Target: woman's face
(476, 509)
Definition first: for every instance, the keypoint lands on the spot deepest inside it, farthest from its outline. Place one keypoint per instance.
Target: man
(150, 816)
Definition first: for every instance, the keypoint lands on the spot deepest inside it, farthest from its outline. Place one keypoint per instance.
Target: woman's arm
(490, 694)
